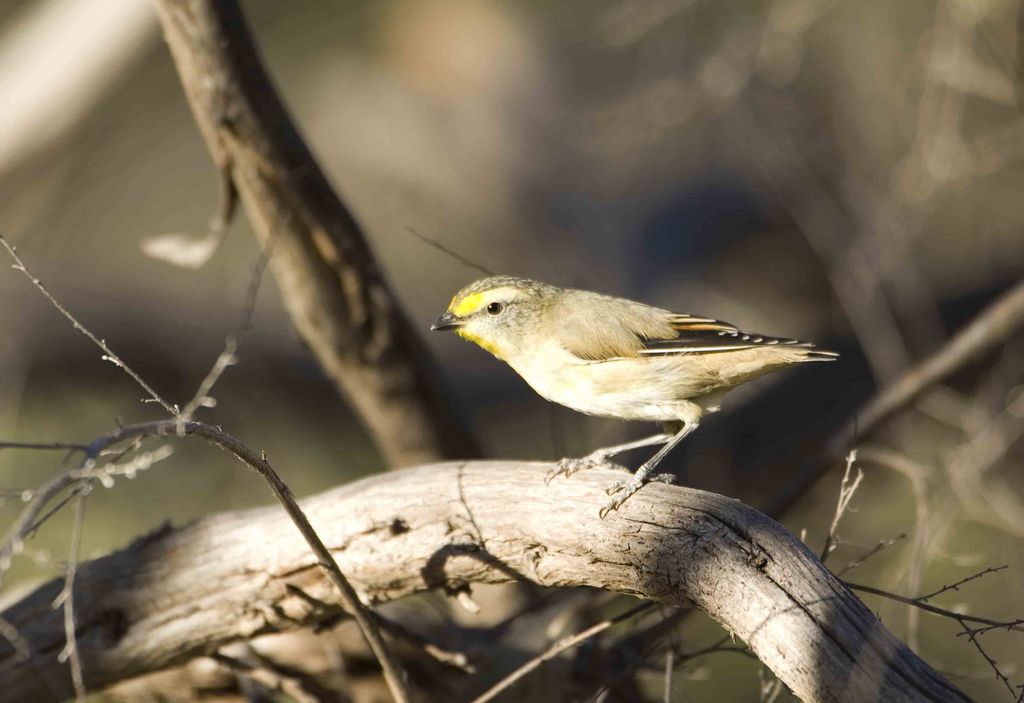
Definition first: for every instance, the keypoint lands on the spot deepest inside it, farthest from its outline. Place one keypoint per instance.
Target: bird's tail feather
(819, 355)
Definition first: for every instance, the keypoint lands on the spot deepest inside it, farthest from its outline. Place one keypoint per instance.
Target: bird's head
(500, 314)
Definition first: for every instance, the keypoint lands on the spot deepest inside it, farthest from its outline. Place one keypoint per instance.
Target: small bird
(613, 357)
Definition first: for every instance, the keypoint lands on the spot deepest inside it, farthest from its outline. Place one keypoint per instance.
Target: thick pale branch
(182, 593)
(332, 286)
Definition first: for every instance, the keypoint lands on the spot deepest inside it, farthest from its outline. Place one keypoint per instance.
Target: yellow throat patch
(485, 344)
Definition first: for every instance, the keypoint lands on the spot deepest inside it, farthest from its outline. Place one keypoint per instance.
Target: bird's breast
(619, 389)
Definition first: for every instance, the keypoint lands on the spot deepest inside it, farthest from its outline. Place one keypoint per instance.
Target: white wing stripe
(690, 350)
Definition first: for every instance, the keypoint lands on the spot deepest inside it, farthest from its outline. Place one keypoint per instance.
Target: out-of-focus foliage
(844, 172)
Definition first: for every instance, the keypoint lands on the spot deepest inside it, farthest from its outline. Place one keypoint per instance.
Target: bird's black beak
(447, 321)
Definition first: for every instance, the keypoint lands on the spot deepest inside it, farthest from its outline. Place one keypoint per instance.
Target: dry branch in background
(447, 525)
(991, 328)
(332, 285)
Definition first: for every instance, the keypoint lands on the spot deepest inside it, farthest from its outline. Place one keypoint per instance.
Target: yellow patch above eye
(468, 305)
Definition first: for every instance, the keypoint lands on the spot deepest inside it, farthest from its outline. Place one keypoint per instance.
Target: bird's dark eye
(495, 308)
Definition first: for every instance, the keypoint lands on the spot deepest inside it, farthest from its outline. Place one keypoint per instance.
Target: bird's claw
(609, 507)
(627, 489)
(633, 485)
(570, 465)
(616, 487)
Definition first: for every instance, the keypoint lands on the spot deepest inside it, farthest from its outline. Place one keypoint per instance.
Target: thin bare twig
(66, 599)
(202, 397)
(719, 646)
(989, 660)
(454, 659)
(255, 281)
(911, 568)
(961, 582)
(41, 497)
(393, 673)
(28, 522)
(228, 356)
(669, 669)
(108, 353)
(649, 639)
(882, 545)
(22, 652)
(561, 646)
(64, 500)
(285, 679)
(225, 359)
(960, 618)
(44, 446)
(846, 491)
(23, 526)
(450, 252)
(104, 474)
(988, 628)
(771, 686)
(952, 614)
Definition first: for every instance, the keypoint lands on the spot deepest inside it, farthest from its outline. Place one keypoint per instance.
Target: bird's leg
(568, 466)
(643, 475)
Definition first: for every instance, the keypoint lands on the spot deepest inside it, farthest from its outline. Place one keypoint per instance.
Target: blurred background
(848, 173)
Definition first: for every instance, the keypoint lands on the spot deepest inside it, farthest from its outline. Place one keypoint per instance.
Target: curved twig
(108, 353)
(393, 673)
(562, 645)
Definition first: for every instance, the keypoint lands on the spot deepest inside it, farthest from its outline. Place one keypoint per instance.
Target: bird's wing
(595, 327)
(701, 335)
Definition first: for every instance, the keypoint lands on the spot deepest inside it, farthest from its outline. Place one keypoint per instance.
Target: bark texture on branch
(182, 593)
(332, 286)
